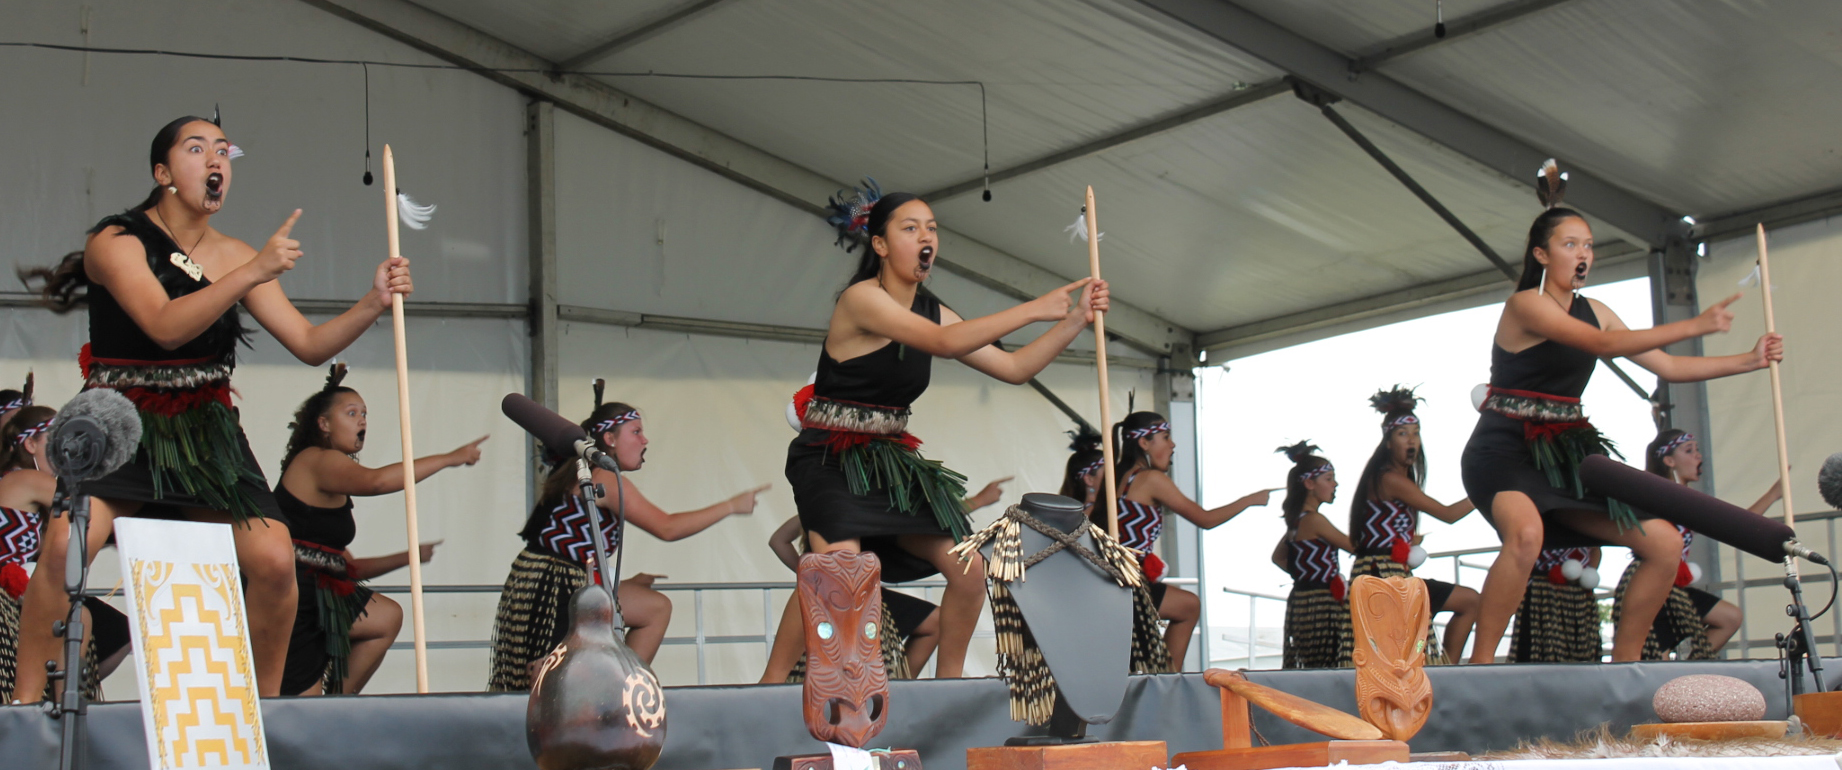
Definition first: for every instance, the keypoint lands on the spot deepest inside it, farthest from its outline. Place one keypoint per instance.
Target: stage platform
(1475, 709)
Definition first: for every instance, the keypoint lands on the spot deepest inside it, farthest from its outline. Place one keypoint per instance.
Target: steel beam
(1464, 27)
(751, 167)
(1781, 214)
(1251, 94)
(636, 35)
(540, 221)
(1328, 70)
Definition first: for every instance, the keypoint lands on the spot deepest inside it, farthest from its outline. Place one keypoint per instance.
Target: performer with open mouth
(163, 288)
(1521, 464)
(858, 477)
(1317, 631)
(1385, 518)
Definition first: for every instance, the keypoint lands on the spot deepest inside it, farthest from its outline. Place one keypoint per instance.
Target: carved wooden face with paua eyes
(847, 690)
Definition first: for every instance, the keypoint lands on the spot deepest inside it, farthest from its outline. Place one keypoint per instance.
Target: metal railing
(1743, 641)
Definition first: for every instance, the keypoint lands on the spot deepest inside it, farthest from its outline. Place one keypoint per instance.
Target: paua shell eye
(825, 631)
(869, 631)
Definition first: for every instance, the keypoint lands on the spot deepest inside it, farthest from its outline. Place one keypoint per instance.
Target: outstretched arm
(315, 343)
(336, 473)
(1673, 368)
(672, 526)
(1165, 493)
(869, 309)
(373, 566)
(1017, 367)
(1540, 315)
(1766, 500)
(1396, 486)
(784, 543)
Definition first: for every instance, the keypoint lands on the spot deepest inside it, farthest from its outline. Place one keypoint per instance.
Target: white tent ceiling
(1260, 210)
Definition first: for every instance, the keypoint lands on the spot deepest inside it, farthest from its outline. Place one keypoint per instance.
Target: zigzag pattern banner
(191, 640)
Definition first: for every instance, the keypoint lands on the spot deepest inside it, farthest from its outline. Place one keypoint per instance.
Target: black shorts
(907, 611)
(1704, 602)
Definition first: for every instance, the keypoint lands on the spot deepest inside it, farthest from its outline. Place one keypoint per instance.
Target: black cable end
(1439, 31)
(987, 196)
(367, 179)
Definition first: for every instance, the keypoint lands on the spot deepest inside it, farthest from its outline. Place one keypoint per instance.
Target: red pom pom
(802, 398)
(1556, 577)
(1338, 589)
(1683, 575)
(13, 579)
(1154, 567)
(1399, 552)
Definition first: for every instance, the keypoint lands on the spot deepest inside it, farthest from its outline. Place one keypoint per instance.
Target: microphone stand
(70, 708)
(590, 493)
(1800, 644)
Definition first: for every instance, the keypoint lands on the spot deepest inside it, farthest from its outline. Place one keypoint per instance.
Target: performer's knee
(1660, 543)
(969, 576)
(1179, 605)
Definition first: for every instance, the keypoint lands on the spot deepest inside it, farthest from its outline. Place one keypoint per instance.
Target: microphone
(1725, 522)
(558, 435)
(94, 435)
(1829, 480)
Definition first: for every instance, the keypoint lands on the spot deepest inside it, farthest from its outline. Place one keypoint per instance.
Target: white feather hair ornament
(235, 152)
(1079, 228)
(413, 215)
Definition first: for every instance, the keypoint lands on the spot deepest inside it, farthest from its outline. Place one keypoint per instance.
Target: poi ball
(793, 415)
(1589, 578)
(1571, 569)
(1416, 556)
(1694, 574)
(1478, 394)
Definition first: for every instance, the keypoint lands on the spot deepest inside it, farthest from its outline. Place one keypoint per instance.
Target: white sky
(1320, 391)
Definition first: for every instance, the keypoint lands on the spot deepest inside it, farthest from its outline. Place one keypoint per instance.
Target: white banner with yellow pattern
(191, 643)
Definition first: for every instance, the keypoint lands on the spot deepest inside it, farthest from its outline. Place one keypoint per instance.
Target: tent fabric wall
(1806, 262)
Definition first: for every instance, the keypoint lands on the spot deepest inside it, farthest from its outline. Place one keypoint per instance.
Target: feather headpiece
(1550, 184)
(1299, 452)
(601, 388)
(334, 376)
(1396, 405)
(30, 380)
(1083, 440)
(848, 210)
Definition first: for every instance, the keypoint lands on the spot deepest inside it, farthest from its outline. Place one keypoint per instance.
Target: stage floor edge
(1475, 709)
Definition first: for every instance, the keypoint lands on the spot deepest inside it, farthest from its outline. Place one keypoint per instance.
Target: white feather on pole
(1079, 230)
(413, 215)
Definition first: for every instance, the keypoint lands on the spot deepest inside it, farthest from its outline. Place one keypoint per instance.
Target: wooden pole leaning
(409, 451)
(1784, 452)
(1106, 407)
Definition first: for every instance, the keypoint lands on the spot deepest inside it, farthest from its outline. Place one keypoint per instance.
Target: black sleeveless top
(113, 334)
(892, 375)
(1547, 367)
(330, 527)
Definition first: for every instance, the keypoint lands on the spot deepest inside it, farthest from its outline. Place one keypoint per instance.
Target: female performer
(1384, 523)
(26, 489)
(1317, 633)
(559, 550)
(1146, 491)
(1520, 466)
(341, 629)
(1558, 621)
(858, 476)
(163, 288)
(1690, 613)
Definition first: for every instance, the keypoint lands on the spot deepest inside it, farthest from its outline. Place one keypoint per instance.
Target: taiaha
(1106, 407)
(409, 452)
(1784, 454)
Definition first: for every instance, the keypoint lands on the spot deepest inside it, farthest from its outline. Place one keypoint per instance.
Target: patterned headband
(17, 403)
(1093, 466)
(1315, 472)
(616, 421)
(1673, 443)
(27, 434)
(1405, 419)
(1149, 430)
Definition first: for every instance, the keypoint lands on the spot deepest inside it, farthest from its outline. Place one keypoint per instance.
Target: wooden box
(1108, 755)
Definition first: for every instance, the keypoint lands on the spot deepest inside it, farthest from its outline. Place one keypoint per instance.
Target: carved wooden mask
(847, 690)
(1389, 619)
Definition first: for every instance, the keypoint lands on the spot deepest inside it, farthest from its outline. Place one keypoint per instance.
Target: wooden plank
(1821, 712)
(1110, 755)
(1321, 754)
(1711, 731)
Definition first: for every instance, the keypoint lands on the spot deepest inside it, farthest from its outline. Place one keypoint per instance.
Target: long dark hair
(304, 431)
(1126, 454)
(1304, 458)
(63, 280)
(13, 452)
(561, 480)
(1653, 455)
(1539, 233)
(1394, 404)
(851, 237)
(1086, 451)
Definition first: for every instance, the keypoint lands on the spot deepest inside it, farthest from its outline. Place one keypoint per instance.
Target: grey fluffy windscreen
(1829, 480)
(120, 421)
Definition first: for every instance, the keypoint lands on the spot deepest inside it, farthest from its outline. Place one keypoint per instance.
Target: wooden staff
(409, 451)
(1106, 406)
(1771, 327)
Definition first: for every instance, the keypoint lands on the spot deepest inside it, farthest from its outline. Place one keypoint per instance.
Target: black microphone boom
(94, 435)
(560, 436)
(1728, 523)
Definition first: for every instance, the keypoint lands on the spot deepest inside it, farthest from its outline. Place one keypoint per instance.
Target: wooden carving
(573, 721)
(1390, 618)
(1310, 715)
(847, 689)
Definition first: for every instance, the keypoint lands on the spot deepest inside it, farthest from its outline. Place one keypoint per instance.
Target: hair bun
(1550, 184)
(1083, 440)
(601, 387)
(1394, 400)
(1298, 452)
(334, 376)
